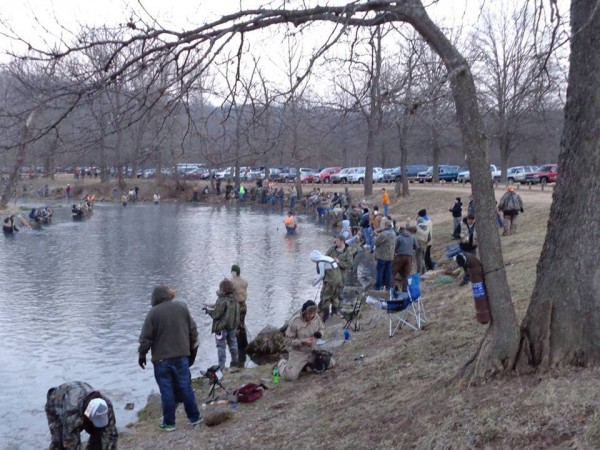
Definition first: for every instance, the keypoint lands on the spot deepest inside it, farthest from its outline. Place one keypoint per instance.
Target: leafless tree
(516, 70)
(548, 314)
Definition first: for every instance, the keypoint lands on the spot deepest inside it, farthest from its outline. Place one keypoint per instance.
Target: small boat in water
(9, 226)
(80, 211)
(40, 216)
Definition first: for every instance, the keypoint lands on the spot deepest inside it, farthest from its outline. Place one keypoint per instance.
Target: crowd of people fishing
(365, 236)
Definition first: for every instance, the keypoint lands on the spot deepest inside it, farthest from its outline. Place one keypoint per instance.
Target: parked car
(412, 173)
(196, 174)
(445, 173)
(223, 173)
(275, 173)
(545, 174)
(309, 175)
(517, 174)
(325, 174)
(387, 175)
(149, 173)
(342, 175)
(377, 175)
(464, 176)
(255, 173)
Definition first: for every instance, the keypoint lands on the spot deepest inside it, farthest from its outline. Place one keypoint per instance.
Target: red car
(545, 174)
(309, 178)
(325, 174)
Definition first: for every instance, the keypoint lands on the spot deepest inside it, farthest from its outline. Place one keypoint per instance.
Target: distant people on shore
(511, 205)
(385, 201)
(456, 211)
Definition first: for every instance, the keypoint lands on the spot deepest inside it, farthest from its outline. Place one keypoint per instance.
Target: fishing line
(217, 264)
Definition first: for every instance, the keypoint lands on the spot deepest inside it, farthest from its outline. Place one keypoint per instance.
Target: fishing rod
(217, 264)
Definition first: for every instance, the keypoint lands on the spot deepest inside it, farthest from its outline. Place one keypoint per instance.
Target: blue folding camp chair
(403, 308)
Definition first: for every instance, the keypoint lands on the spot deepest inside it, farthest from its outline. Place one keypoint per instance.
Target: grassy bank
(403, 393)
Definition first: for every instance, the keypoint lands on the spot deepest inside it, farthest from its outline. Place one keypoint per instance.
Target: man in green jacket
(226, 318)
(170, 332)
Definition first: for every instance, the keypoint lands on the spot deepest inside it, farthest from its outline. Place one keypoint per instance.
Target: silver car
(517, 174)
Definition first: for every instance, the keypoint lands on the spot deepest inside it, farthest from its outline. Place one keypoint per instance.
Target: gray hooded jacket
(169, 330)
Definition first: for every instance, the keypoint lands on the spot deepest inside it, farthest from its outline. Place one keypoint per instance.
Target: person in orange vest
(385, 201)
(290, 223)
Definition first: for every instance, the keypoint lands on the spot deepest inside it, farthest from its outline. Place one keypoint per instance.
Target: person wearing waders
(331, 275)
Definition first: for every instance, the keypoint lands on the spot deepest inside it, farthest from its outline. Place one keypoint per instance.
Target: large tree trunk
(499, 348)
(562, 324)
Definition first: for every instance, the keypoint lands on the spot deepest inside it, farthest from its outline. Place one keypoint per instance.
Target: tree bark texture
(562, 323)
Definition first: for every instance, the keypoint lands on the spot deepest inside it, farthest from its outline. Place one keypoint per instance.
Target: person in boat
(89, 199)
(45, 214)
(77, 212)
(9, 226)
(290, 223)
(34, 215)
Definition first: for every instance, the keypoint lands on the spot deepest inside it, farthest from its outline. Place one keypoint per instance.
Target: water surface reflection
(74, 295)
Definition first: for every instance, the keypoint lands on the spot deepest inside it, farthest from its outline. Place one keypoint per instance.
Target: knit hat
(461, 260)
(309, 306)
(235, 268)
(97, 412)
(422, 213)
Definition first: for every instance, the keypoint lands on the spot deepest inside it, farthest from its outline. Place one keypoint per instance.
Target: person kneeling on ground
(301, 337)
(74, 407)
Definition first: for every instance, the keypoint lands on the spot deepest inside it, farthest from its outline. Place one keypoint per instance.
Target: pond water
(73, 296)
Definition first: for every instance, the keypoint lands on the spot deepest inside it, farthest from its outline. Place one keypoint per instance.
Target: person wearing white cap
(74, 407)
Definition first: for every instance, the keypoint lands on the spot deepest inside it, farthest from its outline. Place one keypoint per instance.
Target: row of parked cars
(519, 174)
(418, 172)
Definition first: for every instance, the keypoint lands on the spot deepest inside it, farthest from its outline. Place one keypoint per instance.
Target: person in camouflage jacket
(226, 318)
(66, 407)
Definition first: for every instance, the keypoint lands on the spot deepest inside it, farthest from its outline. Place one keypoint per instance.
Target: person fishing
(290, 223)
(9, 226)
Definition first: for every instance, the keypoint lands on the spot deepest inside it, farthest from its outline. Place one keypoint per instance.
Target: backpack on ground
(249, 392)
(321, 360)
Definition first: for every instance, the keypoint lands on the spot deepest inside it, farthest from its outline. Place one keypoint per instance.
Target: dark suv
(411, 173)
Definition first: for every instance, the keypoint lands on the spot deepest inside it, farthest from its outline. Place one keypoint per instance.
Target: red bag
(249, 392)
